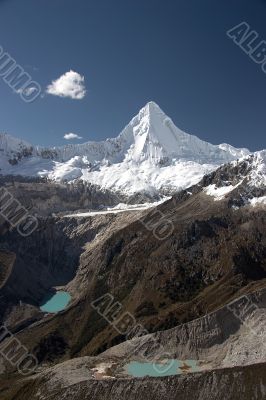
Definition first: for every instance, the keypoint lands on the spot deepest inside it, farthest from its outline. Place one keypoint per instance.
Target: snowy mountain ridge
(151, 154)
(243, 181)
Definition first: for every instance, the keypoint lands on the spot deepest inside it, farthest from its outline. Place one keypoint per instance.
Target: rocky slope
(43, 197)
(228, 344)
(239, 383)
(174, 268)
(169, 276)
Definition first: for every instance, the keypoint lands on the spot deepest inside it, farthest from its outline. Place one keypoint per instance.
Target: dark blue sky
(174, 52)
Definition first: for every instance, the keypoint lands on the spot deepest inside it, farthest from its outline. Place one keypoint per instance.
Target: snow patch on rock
(219, 193)
(256, 201)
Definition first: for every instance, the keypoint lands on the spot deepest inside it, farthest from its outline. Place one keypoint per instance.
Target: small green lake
(171, 367)
(56, 302)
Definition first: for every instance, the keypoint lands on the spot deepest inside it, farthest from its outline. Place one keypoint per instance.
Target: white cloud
(69, 136)
(71, 84)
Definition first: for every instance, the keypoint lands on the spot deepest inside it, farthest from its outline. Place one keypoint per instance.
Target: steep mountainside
(168, 265)
(182, 269)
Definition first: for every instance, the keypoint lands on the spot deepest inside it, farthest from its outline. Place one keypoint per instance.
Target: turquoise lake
(56, 303)
(171, 367)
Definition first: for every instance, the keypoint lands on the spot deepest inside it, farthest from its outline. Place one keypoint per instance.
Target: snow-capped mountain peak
(154, 137)
(150, 154)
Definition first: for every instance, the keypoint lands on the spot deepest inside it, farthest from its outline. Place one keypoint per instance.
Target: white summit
(150, 155)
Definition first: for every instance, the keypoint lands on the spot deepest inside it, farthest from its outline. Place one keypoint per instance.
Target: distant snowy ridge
(151, 154)
(245, 178)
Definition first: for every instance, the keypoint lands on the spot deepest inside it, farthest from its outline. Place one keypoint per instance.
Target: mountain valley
(183, 258)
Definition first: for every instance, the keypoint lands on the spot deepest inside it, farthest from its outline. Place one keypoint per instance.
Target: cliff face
(44, 198)
(50, 257)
